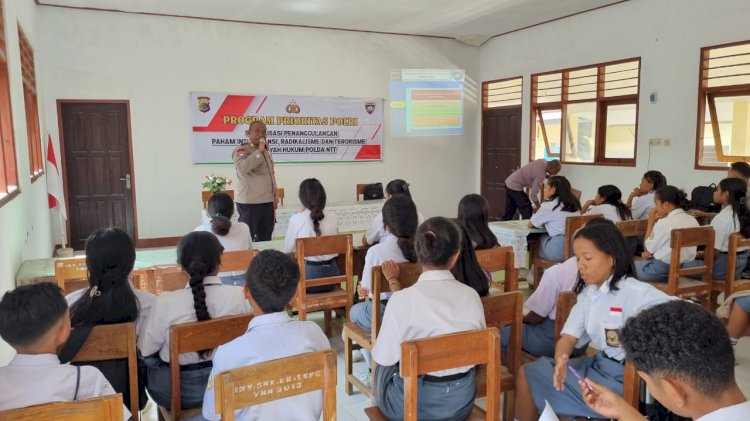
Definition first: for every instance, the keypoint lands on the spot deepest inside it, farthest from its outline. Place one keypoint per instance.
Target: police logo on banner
(204, 104)
(370, 107)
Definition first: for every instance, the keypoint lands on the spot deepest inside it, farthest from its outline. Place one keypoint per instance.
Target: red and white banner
(55, 194)
(300, 128)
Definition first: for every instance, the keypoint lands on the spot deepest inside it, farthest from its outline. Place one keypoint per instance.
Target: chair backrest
(735, 241)
(105, 408)
(408, 276)
(280, 192)
(205, 195)
(236, 389)
(71, 274)
(239, 260)
(169, 278)
(573, 224)
(317, 246)
(199, 336)
(500, 259)
(112, 342)
(360, 190)
(565, 302)
(631, 385)
(688, 237)
(633, 228)
(576, 193)
(422, 356)
(502, 310)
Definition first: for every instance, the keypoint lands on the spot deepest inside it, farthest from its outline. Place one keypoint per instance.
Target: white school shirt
(145, 301)
(301, 226)
(238, 238)
(725, 223)
(659, 242)
(387, 249)
(376, 232)
(590, 313)
(38, 379)
(436, 305)
(270, 337)
(560, 277)
(738, 412)
(642, 205)
(552, 220)
(607, 210)
(176, 307)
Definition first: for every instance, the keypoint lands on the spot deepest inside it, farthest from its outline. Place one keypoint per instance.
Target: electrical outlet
(667, 142)
(655, 141)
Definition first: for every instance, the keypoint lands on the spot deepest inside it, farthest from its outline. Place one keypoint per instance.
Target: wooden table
(515, 233)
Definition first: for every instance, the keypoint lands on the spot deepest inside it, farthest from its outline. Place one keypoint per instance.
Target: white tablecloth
(514, 233)
(353, 216)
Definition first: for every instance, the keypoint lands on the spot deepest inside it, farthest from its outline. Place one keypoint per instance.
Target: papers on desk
(548, 414)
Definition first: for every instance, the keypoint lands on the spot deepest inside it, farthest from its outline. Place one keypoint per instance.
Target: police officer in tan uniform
(256, 194)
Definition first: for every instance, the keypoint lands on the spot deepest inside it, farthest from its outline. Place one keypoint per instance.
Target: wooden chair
(408, 275)
(576, 193)
(205, 195)
(501, 310)
(192, 337)
(572, 224)
(237, 261)
(314, 371)
(422, 356)
(631, 385)
(679, 284)
(633, 228)
(113, 342)
(105, 408)
(168, 278)
(566, 300)
(280, 192)
(71, 274)
(500, 259)
(325, 301)
(731, 284)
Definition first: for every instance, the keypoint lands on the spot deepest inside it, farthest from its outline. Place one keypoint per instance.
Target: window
(586, 115)
(724, 106)
(8, 173)
(36, 168)
(502, 93)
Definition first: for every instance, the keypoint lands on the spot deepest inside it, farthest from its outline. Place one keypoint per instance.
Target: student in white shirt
(204, 298)
(376, 232)
(110, 298)
(607, 203)
(474, 214)
(271, 282)
(313, 221)
(551, 216)
(436, 305)
(734, 217)
(667, 214)
(608, 296)
(683, 354)
(34, 320)
(644, 194)
(233, 236)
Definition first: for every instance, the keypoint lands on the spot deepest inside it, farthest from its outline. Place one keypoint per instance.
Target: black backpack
(373, 191)
(702, 199)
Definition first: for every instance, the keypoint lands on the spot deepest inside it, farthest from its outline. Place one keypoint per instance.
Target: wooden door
(501, 154)
(98, 178)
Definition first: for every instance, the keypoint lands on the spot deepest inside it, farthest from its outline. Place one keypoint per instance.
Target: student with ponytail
(204, 298)
(313, 221)
(233, 236)
(667, 214)
(474, 215)
(560, 203)
(609, 204)
(110, 298)
(644, 194)
(376, 232)
(734, 217)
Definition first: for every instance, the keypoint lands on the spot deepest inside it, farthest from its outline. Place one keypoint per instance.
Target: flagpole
(63, 237)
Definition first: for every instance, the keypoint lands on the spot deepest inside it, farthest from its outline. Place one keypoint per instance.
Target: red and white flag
(55, 194)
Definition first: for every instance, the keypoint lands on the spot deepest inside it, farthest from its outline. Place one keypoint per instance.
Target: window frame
(31, 107)
(602, 104)
(8, 162)
(485, 93)
(706, 97)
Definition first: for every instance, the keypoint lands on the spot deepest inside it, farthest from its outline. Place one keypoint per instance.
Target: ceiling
(469, 21)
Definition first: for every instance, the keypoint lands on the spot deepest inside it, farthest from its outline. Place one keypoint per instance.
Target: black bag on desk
(373, 191)
(702, 199)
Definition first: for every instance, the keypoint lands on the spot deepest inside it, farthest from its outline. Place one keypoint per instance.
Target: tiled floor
(351, 408)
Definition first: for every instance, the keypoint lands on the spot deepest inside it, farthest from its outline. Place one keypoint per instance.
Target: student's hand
(390, 269)
(696, 212)
(602, 400)
(362, 292)
(646, 255)
(653, 215)
(560, 373)
(636, 192)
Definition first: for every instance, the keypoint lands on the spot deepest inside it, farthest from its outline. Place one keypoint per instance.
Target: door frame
(64, 171)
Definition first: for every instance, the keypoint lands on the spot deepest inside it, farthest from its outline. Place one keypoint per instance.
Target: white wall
(667, 35)
(24, 221)
(156, 61)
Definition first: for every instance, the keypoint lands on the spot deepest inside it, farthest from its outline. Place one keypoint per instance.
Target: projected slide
(427, 102)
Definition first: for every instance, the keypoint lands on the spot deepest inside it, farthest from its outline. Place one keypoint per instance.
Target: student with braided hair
(313, 221)
(204, 298)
